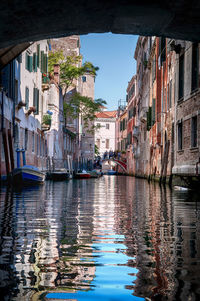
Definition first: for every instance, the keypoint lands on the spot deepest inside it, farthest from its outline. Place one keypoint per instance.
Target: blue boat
(28, 174)
(111, 172)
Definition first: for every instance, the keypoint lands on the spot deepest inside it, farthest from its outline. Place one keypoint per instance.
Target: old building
(105, 132)
(165, 138)
(131, 109)
(22, 107)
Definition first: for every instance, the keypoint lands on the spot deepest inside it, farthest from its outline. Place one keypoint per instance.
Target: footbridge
(118, 162)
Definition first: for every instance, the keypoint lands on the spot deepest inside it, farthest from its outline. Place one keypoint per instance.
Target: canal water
(113, 238)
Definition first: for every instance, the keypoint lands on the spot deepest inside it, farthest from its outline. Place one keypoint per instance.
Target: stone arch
(41, 19)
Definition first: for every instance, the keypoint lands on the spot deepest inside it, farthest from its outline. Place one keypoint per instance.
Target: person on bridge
(110, 154)
(105, 155)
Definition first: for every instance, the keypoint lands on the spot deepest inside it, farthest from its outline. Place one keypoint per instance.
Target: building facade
(105, 131)
(165, 134)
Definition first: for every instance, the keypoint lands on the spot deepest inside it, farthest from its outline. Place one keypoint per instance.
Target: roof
(106, 114)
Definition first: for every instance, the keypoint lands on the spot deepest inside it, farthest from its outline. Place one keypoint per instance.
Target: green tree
(96, 150)
(85, 107)
(71, 69)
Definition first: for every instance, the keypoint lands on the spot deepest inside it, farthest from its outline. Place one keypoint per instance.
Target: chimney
(57, 73)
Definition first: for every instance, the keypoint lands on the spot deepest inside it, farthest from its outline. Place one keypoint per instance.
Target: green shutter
(27, 97)
(27, 61)
(30, 63)
(46, 65)
(36, 100)
(42, 62)
(38, 95)
(35, 62)
(34, 97)
(149, 118)
(38, 56)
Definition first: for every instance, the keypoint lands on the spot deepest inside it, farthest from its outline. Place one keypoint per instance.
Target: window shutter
(149, 118)
(30, 63)
(27, 61)
(34, 97)
(27, 97)
(38, 55)
(37, 101)
(35, 62)
(42, 61)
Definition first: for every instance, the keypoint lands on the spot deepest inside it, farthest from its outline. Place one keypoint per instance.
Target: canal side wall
(165, 142)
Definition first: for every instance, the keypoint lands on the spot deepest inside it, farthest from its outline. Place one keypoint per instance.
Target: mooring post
(18, 151)
(23, 156)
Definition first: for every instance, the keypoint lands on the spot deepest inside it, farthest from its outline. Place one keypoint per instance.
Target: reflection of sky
(113, 279)
(112, 275)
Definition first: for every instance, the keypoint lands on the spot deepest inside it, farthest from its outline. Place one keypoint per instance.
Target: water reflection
(113, 238)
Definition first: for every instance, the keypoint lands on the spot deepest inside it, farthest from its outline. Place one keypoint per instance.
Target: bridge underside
(25, 21)
(22, 21)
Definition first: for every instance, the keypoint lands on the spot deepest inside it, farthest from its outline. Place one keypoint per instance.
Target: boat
(28, 174)
(82, 174)
(95, 173)
(58, 175)
(111, 172)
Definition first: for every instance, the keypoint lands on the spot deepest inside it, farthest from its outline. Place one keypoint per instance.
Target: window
(98, 125)
(162, 50)
(26, 139)
(27, 97)
(36, 100)
(107, 143)
(107, 126)
(40, 146)
(153, 68)
(37, 145)
(33, 142)
(16, 90)
(180, 135)
(149, 118)
(98, 143)
(153, 111)
(195, 66)
(181, 76)
(29, 62)
(170, 94)
(83, 79)
(194, 131)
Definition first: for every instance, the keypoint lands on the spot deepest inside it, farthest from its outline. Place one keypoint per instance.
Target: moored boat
(111, 172)
(28, 174)
(58, 175)
(95, 173)
(82, 175)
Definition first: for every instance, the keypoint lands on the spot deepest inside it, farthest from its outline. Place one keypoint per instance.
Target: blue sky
(113, 54)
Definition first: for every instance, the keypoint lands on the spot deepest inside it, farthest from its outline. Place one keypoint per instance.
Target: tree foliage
(85, 107)
(70, 68)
